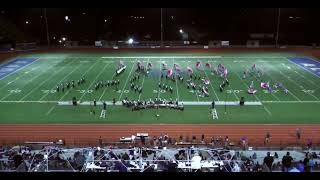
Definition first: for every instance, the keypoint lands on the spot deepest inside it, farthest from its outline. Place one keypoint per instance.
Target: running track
(75, 134)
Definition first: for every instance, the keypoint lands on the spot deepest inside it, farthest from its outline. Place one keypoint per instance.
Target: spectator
(309, 143)
(202, 138)
(298, 134)
(311, 163)
(306, 163)
(268, 160)
(181, 138)
(276, 156)
(286, 162)
(226, 141)
(267, 138)
(254, 156)
(300, 166)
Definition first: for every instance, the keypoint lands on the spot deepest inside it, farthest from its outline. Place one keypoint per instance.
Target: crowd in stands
(127, 159)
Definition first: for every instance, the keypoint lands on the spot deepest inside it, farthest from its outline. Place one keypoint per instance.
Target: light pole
(45, 18)
(277, 35)
(161, 45)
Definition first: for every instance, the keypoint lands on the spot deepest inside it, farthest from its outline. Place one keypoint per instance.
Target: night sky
(236, 24)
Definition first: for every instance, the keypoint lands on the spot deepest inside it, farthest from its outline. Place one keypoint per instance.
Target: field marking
(182, 57)
(56, 72)
(264, 107)
(104, 91)
(303, 66)
(296, 85)
(210, 83)
(10, 82)
(29, 81)
(176, 81)
(274, 67)
(156, 57)
(61, 79)
(298, 67)
(190, 102)
(18, 69)
(53, 107)
(144, 77)
(271, 79)
(127, 80)
(94, 81)
(289, 102)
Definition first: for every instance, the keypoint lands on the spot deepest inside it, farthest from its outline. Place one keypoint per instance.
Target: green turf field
(29, 95)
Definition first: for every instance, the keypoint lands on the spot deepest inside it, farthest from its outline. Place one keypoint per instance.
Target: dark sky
(201, 24)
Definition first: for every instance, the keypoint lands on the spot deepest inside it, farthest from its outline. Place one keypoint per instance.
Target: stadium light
(181, 31)
(130, 41)
(105, 20)
(27, 22)
(60, 41)
(66, 18)
(64, 39)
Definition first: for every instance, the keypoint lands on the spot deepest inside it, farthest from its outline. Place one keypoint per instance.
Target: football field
(28, 89)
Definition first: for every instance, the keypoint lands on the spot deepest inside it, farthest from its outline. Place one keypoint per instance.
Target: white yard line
(176, 81)
(10, 82)
(94, 81)
(274, 67)
(29, 81)
(190, 102)
(127, 80)
(183, 57)
(211, 83)
(19, 69)
(271, 79)
(302, 68)
(61, 80)
(52, 108)
(104, 91)
(56, 72)
(295, 66)
(144, 77)
(294, 83)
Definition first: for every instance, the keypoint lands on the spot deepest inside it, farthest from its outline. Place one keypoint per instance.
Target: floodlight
(63, 39)
(181, 31)
(66, 18)
(27, 22)
(60, 41)
(130, 41)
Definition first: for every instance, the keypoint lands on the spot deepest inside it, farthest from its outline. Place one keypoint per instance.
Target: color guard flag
(225, 73)
(177, 67)
(198, 64)
(170, 72)
(190, 71)
(206, 81)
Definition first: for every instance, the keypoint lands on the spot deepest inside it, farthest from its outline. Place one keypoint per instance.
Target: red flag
(225, 72)
(170, 72)
(208, 65)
